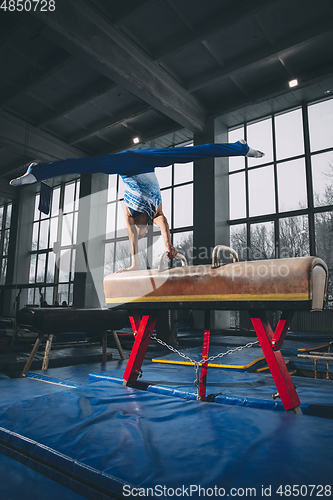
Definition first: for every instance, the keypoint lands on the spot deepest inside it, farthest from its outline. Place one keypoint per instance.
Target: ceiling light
(293, 83)
(136, 140)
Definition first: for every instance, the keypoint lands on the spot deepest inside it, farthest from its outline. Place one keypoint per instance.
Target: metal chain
(211, 358)
(198, 363)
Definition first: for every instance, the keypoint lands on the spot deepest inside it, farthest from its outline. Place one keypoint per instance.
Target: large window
(176, 182)
(5, 220)
(53, 247)
(282, 205)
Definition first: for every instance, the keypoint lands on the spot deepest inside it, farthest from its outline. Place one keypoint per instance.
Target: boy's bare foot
(27, 178)
(253, 153)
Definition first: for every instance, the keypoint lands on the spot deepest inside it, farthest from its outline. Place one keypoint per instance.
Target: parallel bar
(33, 354)
(47, 352)
(118, 344)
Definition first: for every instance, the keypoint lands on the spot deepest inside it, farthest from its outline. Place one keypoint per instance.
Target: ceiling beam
(75, 102)
(80, 30)
(227, 19)
(32, 79)
(108, 123)
(262, 55)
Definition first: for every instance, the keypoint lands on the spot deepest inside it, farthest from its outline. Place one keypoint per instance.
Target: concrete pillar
(20, 247)
(211, 211)
(89, 264)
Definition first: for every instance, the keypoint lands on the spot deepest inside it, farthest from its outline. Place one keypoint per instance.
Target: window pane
(32, 272)
(320, 125)
(184, 243)
(236, 162)
(109, 259)
(121, 189)
(6, 242)
(69, 197)
(324, 247)
(8, 215)
(112, 187)
(163, 175)
(41, 260)
(237, 197)
(110, 220)
(43, 234)
(77, 195)
(63, 293)
(50, 268)
(34, 242)
(262, 241)
(66, 233)
(37, 212)
(142, 247)
(121, 229)
(1, 215)
(294, 236)
(238, 240)
(183, 172)
(49, 295)
(324, 237)
(322, 178)
(166, 204)
(64, 265)
(261, 191)
(3, 271)
(158, 249)
(73, 264)
(292, 185)
(53, 231)
(289, 134)
(259, 136)
(71, 295)
(123, 256)
(75, 227)
(31, 293)
(183, 206)
(55, 201)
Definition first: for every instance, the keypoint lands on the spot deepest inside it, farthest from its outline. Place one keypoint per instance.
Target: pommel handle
(223, 248)
(179, 256)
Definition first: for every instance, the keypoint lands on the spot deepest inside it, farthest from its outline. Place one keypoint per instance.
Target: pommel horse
(283, 285)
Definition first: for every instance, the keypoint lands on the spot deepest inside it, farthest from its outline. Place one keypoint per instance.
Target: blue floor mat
(145, 439)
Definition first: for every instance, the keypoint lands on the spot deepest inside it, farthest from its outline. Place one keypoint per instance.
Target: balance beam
(47, 321)
(283, 285)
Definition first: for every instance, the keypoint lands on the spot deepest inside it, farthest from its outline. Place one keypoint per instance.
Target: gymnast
(143, 201)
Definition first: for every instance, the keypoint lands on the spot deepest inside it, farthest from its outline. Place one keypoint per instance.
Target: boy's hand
(172, 252)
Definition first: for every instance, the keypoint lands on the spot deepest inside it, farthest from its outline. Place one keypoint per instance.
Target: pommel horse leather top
(281, 284)
(293, 284)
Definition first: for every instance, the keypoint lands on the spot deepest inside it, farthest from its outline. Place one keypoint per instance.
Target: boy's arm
(161, 221)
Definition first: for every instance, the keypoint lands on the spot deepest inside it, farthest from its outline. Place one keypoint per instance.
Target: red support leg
(142, 329)
(271, 344)
(205, 355)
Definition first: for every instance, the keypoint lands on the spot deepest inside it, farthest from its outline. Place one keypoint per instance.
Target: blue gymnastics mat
(101, 440)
